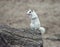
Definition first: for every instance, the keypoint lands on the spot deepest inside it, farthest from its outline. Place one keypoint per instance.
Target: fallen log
(22, 37)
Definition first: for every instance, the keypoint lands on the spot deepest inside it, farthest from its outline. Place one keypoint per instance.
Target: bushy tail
(42, 29)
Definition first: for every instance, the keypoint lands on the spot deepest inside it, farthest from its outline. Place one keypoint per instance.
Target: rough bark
(11, 37)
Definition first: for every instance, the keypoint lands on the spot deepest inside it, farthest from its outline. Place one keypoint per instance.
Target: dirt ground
(13, 13)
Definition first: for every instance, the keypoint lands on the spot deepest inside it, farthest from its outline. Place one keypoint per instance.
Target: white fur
(35, 23)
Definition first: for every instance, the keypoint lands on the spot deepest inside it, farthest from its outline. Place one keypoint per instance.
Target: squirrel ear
(31, 10)
(28, 10)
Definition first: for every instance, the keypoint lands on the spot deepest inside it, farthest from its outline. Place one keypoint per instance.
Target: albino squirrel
(35, 22)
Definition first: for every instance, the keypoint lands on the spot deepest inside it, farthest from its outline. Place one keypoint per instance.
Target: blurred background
(13, 13)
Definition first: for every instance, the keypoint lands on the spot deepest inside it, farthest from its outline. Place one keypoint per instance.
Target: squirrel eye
(30, 12)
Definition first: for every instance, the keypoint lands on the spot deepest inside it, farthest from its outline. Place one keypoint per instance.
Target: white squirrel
(35, 22)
